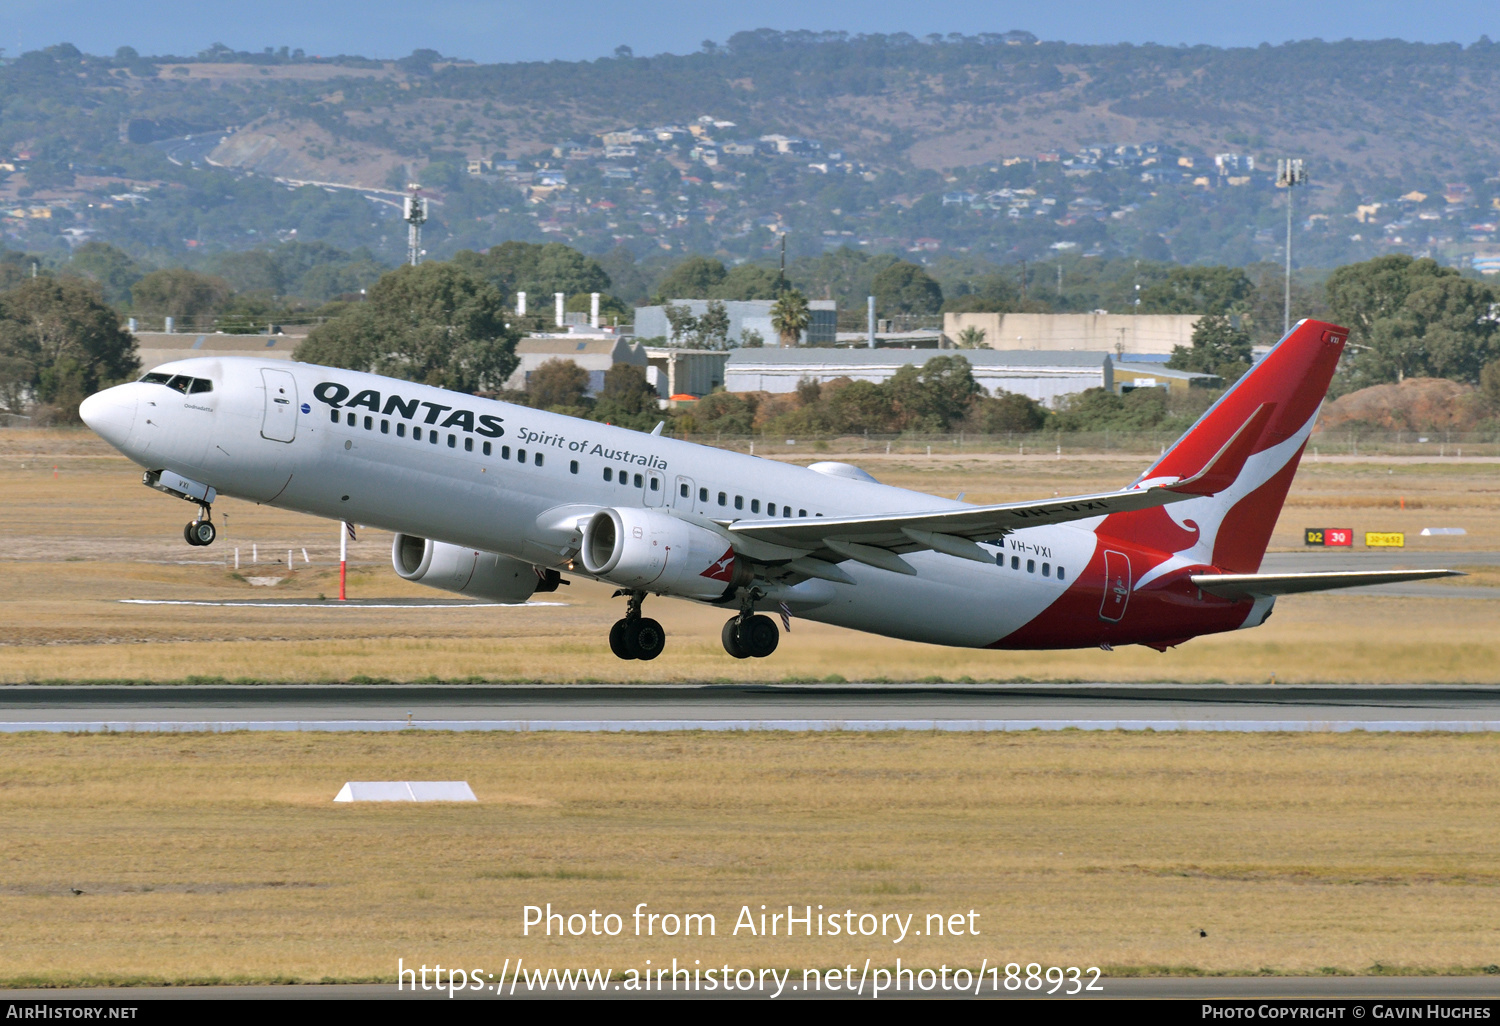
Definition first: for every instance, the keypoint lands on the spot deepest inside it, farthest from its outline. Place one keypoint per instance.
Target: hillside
(997, 145)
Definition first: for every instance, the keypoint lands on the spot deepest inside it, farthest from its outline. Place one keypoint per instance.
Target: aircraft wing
(1238, 586)
(879, 539)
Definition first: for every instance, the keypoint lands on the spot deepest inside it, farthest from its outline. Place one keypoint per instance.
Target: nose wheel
(636, 636)
(202, 530)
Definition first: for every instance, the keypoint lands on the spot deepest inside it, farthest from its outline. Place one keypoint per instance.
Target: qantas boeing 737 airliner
(497, 502)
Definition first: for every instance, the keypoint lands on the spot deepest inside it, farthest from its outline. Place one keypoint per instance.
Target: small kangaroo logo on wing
(721, 568)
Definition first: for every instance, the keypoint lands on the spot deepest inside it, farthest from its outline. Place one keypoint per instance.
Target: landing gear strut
(750, 635)
(201, 531)
(636, 636)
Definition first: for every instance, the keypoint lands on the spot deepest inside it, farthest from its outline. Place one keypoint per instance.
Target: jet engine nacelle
(655, 551)
(470, 572)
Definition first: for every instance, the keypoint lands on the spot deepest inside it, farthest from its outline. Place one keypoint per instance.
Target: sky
(506, 30)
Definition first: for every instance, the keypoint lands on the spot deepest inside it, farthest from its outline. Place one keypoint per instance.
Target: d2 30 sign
(1328, 536)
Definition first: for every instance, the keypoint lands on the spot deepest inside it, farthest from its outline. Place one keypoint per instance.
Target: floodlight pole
(1289, 174)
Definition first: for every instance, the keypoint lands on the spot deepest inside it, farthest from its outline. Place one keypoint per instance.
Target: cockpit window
(181, 382)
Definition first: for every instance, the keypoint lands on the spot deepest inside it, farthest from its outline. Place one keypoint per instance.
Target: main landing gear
(201, 531)
(636, 636)
(750, 635)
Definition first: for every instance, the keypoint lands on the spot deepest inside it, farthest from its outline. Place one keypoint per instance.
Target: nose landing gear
(750, 635)
(636, 636)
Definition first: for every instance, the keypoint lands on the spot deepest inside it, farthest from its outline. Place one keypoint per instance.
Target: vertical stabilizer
(1278, 400)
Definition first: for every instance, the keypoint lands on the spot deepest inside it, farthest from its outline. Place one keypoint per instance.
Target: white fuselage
(334, 443)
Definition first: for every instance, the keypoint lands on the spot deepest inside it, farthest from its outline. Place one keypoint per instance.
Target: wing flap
(1238, 586)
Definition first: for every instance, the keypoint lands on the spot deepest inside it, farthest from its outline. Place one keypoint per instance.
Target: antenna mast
(414, 213)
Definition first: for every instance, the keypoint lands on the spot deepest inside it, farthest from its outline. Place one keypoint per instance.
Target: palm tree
(790, 317)
(971, 338)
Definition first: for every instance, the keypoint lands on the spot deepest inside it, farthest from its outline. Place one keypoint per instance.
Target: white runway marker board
(406, 791)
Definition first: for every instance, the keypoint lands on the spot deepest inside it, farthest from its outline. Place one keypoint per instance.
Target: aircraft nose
(111, 414)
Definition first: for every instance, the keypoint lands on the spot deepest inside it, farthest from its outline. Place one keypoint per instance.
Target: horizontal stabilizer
(1238, 586)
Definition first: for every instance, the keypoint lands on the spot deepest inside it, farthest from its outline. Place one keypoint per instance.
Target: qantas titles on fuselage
(497, 521)
(337, 397)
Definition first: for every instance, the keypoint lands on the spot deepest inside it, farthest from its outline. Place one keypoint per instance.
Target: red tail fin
(1270, 413)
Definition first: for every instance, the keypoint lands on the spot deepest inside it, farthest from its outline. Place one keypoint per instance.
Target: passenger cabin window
(538, 459)
(333, 415)
(468, 445)
(453, 441)
(385, 427)
(432, 436)
(487, 448)
(520, 455)
(1015, 562)
(739, 502)
(349, 419)
(802, 512)
(702, 494)
(754, 505)
(505, 454)
(770, 509)
(1061, 573)
(572, 464)
(400, 429)
(723, 499)
(1046, 569)
(609, 474)
(682, 490)
(655, 485)
(369, 423)
(1031, 566)
(639, 480)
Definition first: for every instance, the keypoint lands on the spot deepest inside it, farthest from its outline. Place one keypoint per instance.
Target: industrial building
(158, 347)
(592, 349)
(1043, 376)
(1091, 332)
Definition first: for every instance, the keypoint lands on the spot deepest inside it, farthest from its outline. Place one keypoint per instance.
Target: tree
(1218, 348)
(1005, 412)
(113, 269)
(713, 327)
(1215, 290)
(747, 281)
(539, 270)
(684, 324)
(971, 338)
(59, 343)
(433, 323)
(180, 294)
(905, 288)
(790, 317)
(1409, 318)
(695, 278)
(627, 398)
(558, 384)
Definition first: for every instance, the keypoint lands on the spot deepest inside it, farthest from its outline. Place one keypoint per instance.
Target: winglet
(1226, 465)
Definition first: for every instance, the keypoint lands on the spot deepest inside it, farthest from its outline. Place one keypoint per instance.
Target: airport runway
(798, 707)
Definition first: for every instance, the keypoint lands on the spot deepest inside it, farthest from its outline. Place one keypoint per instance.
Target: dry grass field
(78, 539)
(222, 857)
